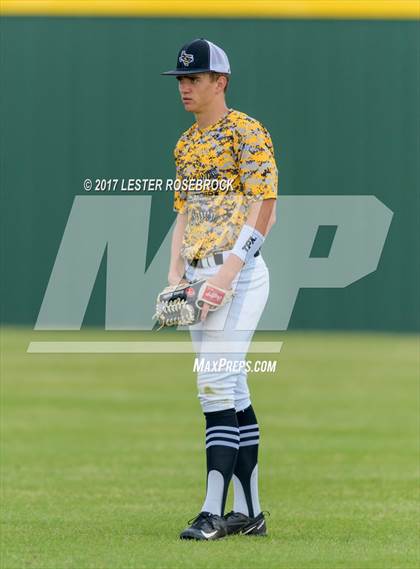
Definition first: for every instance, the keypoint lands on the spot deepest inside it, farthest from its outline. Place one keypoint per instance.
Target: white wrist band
(248, 243)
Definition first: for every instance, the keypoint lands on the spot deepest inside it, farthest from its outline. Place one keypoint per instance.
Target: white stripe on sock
(249, 435)
(222, 427)
(222, 443)
(249, 443)
(247, 427)
(224, 435)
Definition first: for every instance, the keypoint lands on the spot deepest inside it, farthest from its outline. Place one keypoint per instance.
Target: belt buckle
(202, 263)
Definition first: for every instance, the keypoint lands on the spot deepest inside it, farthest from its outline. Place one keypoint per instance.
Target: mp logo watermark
(117, 227)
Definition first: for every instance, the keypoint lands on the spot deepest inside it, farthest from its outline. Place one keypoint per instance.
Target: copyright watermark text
(118, 185)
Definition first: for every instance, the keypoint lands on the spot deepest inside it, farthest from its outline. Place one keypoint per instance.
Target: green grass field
(103, 460)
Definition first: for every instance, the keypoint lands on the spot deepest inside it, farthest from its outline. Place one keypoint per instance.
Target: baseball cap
(200, 56)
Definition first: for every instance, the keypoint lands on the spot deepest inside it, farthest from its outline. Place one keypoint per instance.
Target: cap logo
(186, 58)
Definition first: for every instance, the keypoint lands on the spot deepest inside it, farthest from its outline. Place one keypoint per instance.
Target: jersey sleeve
(179, 197)
(257, 165)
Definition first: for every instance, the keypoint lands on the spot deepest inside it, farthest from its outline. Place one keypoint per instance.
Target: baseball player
(218, 234)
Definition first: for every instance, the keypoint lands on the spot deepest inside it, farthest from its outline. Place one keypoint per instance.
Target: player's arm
(261, 218)
(262, 215)
(258, 173)
(176, 265)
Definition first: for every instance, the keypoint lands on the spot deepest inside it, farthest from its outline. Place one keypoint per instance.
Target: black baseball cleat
(240, 524)
(205, 527)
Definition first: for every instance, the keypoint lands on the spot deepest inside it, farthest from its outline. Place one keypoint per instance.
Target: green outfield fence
(82, 96)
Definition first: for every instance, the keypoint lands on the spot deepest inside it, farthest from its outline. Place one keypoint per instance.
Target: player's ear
(221, 83)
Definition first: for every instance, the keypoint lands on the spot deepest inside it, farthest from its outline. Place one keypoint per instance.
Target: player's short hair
(214, 76)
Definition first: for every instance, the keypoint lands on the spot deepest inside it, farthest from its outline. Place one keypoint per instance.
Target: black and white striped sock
(245, 477)
(222, 444)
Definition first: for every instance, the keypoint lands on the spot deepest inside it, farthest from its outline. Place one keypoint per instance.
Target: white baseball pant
(225, 336)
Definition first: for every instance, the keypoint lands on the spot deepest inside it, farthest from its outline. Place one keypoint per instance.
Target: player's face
(197, 91)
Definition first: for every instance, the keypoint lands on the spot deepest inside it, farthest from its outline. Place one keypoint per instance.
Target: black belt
(217, 257)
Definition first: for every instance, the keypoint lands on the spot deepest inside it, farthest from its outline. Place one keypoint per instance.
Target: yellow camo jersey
(237, 152)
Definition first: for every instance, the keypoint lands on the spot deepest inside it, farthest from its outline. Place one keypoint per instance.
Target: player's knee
(241, 393)
(215, 393)
(210, 403)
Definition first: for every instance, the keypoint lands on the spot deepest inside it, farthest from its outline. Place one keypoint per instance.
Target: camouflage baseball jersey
(238, 149)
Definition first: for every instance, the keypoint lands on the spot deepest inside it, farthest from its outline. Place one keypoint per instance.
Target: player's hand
(219, 281)
(204, 311)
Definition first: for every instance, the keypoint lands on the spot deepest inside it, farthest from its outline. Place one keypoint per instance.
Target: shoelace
(198, 516)
(232, 513)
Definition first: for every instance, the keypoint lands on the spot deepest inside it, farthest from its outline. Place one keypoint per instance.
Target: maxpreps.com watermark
(234, 366)
(124, 185)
